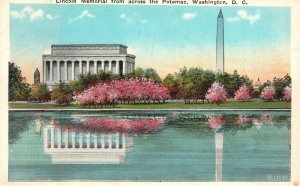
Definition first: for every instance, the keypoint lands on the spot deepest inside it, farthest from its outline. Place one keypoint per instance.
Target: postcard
(143, 91)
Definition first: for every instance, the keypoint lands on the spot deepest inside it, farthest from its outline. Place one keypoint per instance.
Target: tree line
(189, 84)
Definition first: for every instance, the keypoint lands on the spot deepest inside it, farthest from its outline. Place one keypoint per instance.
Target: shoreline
(175, 109)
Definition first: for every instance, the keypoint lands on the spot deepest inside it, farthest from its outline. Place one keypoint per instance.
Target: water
(149, 146)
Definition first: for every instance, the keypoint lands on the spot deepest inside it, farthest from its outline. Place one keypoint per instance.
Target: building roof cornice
(88, 45)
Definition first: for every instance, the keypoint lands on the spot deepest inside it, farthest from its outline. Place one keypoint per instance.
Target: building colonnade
(67, 70)
(58, 137)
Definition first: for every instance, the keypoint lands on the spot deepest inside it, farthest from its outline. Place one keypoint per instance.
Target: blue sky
(162, 37)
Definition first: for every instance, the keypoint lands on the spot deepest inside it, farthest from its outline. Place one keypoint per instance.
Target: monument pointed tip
(220, 14)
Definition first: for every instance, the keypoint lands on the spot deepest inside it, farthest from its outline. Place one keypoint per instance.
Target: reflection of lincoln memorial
(78, 146)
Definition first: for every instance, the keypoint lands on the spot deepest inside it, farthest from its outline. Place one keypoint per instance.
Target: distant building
(36, 77)
(257, 84)
(67, 62)
(220, 43)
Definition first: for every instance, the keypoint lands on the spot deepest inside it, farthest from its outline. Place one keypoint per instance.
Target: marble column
(117, 68)
(66, 131)
(95, 140)
(102, 66)
(80, 138)
(44, 71)
(51, 71)
(87, 67)
(73, 138)
(109, 67)
(95, 67)
(45, 137)
(52, 137)
(102, 140)
(123, 141)
(88, 140)
(66, 70)
(73, 70)
(109, 141)
(124, 67)
(58, 70)
(117, 140)
(58, 137)
(80, 67)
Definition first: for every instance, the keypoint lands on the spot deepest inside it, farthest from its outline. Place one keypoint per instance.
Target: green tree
(232, 82)
(18, 89)
(40, 93)
(139, 72)
(172, 83)
(194, 83)
(149, 73)
(62, 94)
(279, 85)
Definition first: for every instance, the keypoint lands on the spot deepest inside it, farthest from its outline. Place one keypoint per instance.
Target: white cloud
(135, 17)
(51, 17)
(123, 16)
(188, 16)
(32, 14)
(144, 21)
(243, 15)
(17, 15)
(84, 14)
(39, 14)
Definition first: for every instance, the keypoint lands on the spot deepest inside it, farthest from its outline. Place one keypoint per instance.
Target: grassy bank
(175, 105)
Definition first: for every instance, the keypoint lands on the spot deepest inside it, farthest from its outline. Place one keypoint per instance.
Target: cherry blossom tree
(287, 93)
(242, 93)
(216, 93)
(268, 93)
(125, 90)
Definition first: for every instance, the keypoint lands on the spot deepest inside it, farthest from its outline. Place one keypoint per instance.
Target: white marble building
(66, 62)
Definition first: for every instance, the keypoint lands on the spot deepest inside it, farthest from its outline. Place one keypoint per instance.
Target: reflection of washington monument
(219, 155)
(76, 146)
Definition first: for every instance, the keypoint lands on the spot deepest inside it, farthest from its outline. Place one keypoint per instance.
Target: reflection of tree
(204, 124)
(267, 119)
(193, 124)
(17, 125)
(114, 125)
(216, 122)
(243, 122)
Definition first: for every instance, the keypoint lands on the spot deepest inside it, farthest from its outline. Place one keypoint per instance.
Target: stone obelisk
(220, 43)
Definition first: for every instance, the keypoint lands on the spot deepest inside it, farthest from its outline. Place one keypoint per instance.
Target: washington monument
(220, 43)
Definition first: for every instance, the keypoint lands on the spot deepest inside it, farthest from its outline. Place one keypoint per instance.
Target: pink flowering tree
(216, 93)
(122, 91)
(242, 93)
(287, 93)
(268, 93)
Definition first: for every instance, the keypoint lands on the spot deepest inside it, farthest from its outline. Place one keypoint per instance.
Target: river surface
(149, 145)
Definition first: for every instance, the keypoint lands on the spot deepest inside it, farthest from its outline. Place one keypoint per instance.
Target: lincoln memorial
(67, 62)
